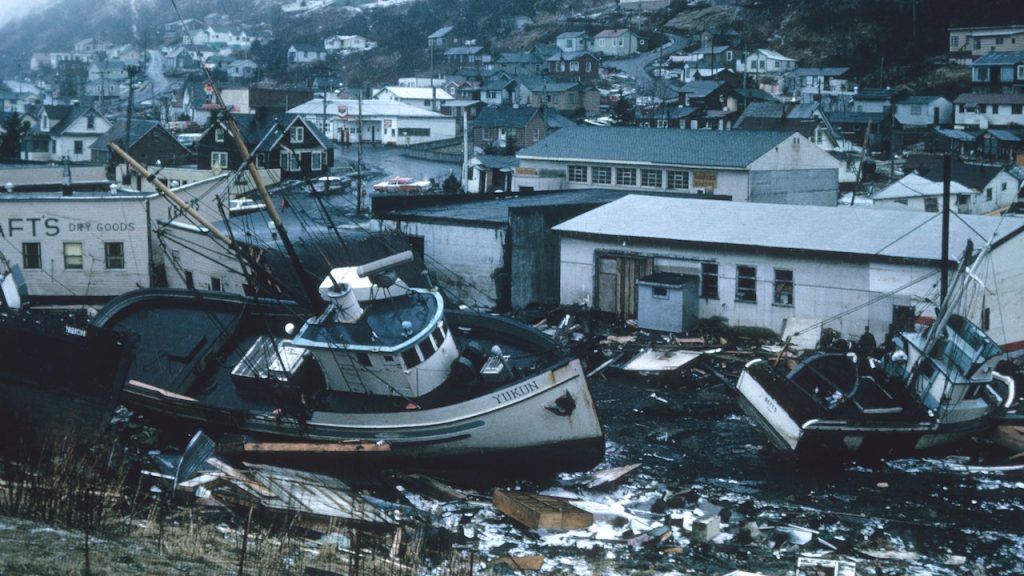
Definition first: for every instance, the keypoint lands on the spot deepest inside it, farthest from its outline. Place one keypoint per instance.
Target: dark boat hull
(58, 380)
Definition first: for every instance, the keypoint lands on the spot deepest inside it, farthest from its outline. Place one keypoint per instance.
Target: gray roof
(918, 100)
(495, 209)
(701, 88)
(727, 149)
(1000, 98)
(999, 58)
(899, 234)
(441, 32)
(809, 71)
(959, 135)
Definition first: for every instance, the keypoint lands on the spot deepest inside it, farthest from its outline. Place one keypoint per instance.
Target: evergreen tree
(10, 143)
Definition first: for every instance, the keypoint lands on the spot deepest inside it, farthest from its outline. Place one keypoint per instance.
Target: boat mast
(307, 286)
(947, 177)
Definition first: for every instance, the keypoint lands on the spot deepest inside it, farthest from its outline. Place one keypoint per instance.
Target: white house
(428, 98)
(72, 135)
(924, 111)
(377, 121)
(299, 54)
(242, 69)
(615, 43)
(915, 192)
(576, 41)
(764, 265)
(755, 166)
(767, 62)
(988, 110)
(346, 44)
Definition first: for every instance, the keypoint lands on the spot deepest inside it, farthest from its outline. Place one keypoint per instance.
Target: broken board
(660, 360)
(541, 512)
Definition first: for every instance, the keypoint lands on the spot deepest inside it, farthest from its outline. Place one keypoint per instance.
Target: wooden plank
(541, 512)
(521, 563)
(307, 447)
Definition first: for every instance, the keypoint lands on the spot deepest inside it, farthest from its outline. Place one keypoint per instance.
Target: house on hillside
(966, 44)
(616, 43)
(69, 130)
(574, 41)
(998, 72)
(915, 192)
(469, 55)
(442, 39)
(305, 54)
(764, 62)
(513, 128)
(825, 85)
(572, 99)
(846, 267)
(516, 63)
(345, 44)
(872, 100)
(773, 167)
(924, 112)
(578, 66)
(988, 110)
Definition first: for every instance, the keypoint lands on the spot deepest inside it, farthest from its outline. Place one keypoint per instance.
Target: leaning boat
(930, 389)
(59, 377)
(386, 375)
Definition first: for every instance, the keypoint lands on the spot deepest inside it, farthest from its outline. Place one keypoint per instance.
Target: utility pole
(359, 155)
(132, 70)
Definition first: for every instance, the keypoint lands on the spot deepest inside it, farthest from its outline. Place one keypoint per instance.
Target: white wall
(823, 287)
(92, 221)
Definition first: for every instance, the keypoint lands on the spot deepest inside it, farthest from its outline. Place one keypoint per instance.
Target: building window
(746, 284)
(488, 134)
(536, 134)
(601, 175)
(1020, 72)
(577, 173)
(219, 159)
(72, 255)
(650, 178)
(784, 287)
(625, 176)
(678, 180)
(31, 255)
(660, 292)
(298, 134)
(931, 204)
(709, 280)
(190, 281)
(78, 147)
(216, 284)
(915, 110)
(90, 122)
(113, 255)
(1017, 109)
(986, 319)
(218, 135)
(316, 161)
(954, 41)
(988, 193)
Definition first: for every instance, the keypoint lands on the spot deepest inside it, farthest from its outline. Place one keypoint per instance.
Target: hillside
(885, 42)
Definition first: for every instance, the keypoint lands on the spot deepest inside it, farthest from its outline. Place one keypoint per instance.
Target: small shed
(667, 302)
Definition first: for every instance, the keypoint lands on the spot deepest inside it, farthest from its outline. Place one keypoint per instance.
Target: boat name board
(517, 392)
(12, 227)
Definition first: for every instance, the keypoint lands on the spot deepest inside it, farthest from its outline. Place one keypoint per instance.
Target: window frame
(601, 175)
(297, 135)
(73, 261)
(113, 260)
(746, 283)
(625, 176)
(32, 258)
(783, 288)
(674, 177)
(651, 177)
(215, 155)
(709, 280)
(576, 173)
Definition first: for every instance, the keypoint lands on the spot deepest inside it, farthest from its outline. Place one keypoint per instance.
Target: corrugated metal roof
(999, 58)
(711, 148)
(913, 185)
(842, 229)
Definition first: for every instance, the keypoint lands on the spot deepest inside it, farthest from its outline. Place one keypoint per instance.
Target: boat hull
(545, 420)
(794, 425)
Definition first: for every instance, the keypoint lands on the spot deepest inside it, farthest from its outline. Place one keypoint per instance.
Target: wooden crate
(541, 512)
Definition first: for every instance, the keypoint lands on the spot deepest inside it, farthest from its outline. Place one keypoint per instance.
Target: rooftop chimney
(65, 181)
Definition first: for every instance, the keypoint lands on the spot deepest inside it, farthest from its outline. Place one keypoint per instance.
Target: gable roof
(73, 114)
(117, 132)
(417, 93)
(974, 176)
(811, 71)
(914, 185)
(726, 149)
(918, 100)
(441, 32)
(883, 234)
(612, 33)
(999, 58)
(1000, 98)
(702, 88)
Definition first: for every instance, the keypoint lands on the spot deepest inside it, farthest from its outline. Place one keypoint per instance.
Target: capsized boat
(386, 369)
(929, 390)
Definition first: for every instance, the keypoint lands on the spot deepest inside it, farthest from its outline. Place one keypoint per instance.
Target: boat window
(364, 359)
(426, 348)
(411, 358)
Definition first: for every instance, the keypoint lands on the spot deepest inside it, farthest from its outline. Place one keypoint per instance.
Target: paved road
(637, 67)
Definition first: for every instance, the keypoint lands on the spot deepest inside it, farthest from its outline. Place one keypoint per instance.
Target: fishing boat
(930, 389)
(60, 377)
(385, 374)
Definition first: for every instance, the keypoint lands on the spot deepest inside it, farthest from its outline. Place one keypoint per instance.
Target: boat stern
(757, 401)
